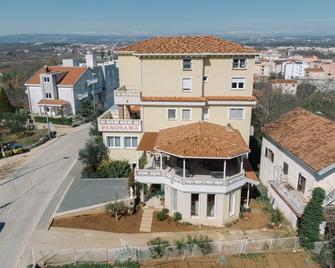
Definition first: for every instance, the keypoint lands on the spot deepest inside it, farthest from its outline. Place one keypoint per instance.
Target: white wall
(66, 93)
(34, 95)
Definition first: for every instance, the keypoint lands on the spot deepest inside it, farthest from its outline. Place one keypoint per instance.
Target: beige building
(285, 86)
(168, 82)
(298, 155)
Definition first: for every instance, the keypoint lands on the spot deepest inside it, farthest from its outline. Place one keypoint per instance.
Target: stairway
(146, 220)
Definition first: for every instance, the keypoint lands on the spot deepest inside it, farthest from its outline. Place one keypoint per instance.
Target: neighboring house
(315, 73)
(294, 69)
(298, 155)
(264, 68)
(185, 103)
(286, 86)
(59, 90)
(329, 68)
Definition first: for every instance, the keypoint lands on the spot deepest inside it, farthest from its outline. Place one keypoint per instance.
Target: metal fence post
(295, 244)
(106, 255)
(33, 256)
(75, 256)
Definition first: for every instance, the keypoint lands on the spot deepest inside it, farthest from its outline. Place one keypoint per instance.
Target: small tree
(16, 122)
(92, 155)
(114, 168)
(309, 230)
(5, 105)
(157, 247)
(116, 209)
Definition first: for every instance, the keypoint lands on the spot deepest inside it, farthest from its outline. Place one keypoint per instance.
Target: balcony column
(161, 160)
(248, 195)
(224, 168)
(184, 168)
(241, 159)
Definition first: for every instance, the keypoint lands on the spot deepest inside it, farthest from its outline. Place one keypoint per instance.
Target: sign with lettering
(120, 125)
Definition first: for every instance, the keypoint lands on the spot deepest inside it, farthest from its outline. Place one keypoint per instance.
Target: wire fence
(132, 253)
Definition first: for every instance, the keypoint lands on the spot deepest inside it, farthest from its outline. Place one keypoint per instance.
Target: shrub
(202, 243)
(161, 216)
(158, 247)
(165, 211)
(309, 230)
(276, 216)
(16, 122)
(142, 161)
(177, 216)
(54, 120)
(114, 168)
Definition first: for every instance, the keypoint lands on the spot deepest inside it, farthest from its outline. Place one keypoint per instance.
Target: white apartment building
(285, 86)
(58, 90)
(182, 102)
(294, 69)
(298, 155)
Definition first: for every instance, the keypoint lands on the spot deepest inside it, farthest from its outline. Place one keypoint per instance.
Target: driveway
(26, 194)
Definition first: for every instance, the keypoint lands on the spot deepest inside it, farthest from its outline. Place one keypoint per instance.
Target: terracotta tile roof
(201, 140)
(250, 174)
(173, 99)
(314, 70)
(186, 45)
(56, 102)
(147, 142)
(308, 136)
(230, 98)
(72, 74)
(284, 81)
(197, 99)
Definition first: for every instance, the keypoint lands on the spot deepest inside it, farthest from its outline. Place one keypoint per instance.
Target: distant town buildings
(294, 69)
(285, 86)
(58, 90)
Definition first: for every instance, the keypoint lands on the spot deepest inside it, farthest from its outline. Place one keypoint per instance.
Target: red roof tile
(54, 102)
(147, 142)
(308, 136)
(72, 74)
(186, 45)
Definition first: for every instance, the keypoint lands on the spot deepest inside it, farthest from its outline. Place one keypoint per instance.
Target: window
(269, 154)
(114, 142)
(185, 114)
(238, 83)
(46, 79)
(285, 168)
(239, 63)
(205, 115)
(187, 64)
(301, 183)
(231, 205)
(194, 204)
(236, 113)
(130, 142)
(48, 95)
(210, 205)
(171, 114)
(187, 84)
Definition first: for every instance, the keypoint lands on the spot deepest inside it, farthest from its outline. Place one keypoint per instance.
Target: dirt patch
(273, 260)
(252, 221)
(9, 168)
(102, 222)
(170, 226)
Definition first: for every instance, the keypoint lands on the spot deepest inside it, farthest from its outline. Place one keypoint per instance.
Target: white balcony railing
(204, 180)
(127, 95)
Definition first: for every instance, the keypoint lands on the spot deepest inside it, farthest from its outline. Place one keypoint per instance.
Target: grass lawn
(26, 138)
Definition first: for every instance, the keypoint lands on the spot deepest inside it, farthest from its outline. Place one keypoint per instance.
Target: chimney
(46, 68)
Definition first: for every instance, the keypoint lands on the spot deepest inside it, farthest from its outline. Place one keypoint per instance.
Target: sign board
(120, 125)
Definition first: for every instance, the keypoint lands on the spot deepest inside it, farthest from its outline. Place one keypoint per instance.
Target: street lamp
(92, 82)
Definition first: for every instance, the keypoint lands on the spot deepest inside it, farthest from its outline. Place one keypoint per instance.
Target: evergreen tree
(309, 230)
(5, 105)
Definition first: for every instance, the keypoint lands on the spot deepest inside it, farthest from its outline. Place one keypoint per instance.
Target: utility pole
(92, 82)
(46, 113)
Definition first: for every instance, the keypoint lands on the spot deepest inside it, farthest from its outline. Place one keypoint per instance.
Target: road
(26, 195)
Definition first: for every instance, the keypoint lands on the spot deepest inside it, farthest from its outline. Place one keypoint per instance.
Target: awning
(250, 174)
(147, 142)
(52, 102)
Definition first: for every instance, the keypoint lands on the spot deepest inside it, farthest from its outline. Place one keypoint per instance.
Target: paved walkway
(146, 222)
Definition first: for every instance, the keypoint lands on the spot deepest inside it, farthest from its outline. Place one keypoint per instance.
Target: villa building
(298, 155)
(185, 104)
(58, 90)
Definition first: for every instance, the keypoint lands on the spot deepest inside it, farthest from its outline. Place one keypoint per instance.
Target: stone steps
(146, 220)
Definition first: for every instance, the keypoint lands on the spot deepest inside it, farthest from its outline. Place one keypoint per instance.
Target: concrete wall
(130, 71)
(34, 96)
(221, 216)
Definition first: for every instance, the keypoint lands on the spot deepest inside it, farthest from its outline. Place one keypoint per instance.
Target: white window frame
(182, 64)
(239, 64)
(214, 208)
(240, 108)
(182, 84)
(237, 81)
(115, 147)
(202, 113)
(232, 213)
(167, 114)
(132, 147)
(181, 114)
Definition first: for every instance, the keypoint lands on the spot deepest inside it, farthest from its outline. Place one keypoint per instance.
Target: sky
(153, 17)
